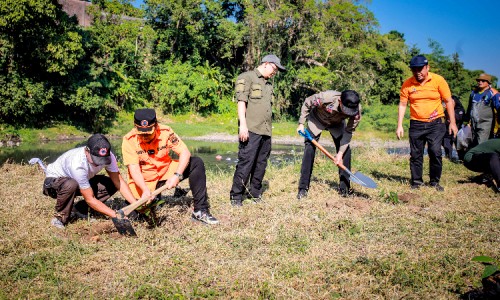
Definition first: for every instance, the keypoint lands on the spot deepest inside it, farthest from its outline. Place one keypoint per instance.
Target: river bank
(14, 141)
(297, 140)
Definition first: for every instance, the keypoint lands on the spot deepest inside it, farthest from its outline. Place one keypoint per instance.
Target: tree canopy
(183, 55)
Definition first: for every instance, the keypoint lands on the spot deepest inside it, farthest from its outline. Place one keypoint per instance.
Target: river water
(216, 155)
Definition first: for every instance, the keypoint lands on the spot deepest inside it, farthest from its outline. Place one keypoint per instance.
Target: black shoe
(236, 202)
(496, 188)
(415, 186)
(487, 179)
(437, 187)
(254, 199)
(345, 192)
(302, 194)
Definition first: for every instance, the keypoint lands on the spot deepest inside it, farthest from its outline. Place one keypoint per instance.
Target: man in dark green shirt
(485, 158)
(254, 93)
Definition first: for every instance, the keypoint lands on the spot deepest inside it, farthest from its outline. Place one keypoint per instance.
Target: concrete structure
(77, 8)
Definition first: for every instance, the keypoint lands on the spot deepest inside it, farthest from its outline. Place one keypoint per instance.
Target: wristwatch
(179, 175)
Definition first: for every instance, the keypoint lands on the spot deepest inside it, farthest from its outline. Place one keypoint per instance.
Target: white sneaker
(57, 223)
(205, 217)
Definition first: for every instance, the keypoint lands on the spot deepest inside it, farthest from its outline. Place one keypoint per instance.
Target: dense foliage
(183, 56)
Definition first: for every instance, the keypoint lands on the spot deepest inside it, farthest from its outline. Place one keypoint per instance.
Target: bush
(382, 117)
(182, 87)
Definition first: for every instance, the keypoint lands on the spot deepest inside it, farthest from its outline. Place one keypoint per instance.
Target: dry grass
(324, 247)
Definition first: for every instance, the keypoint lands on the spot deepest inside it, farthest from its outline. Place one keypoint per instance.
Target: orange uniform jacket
(153, 158)
(425, 98)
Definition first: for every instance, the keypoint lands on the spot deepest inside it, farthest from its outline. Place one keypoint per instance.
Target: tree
(40, 46)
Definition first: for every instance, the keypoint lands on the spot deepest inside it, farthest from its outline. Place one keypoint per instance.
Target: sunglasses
(481, 80)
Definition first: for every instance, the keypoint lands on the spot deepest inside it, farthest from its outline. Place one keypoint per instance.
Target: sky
(470, 28)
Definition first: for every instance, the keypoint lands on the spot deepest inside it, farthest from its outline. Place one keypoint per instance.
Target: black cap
(271, 58)
(418, 61)
(99, 149)
(350, 102)
(144, 120)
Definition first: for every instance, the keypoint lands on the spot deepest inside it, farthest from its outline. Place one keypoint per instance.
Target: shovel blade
(124, 226)
(363, 180)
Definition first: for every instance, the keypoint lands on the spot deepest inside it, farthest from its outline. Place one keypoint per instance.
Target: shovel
(358, 177)
(124, 226)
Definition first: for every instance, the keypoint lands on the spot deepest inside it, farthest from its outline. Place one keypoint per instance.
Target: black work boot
(302, 194)
(438, 187)
(344, 190)
(236, 202)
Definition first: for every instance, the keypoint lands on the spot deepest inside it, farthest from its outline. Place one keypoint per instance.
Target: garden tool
(124, 226)
(358, 177)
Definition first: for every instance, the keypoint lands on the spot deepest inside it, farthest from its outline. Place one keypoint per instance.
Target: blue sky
(470, 28)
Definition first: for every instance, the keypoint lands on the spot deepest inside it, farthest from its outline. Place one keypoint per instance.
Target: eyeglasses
(481, 80)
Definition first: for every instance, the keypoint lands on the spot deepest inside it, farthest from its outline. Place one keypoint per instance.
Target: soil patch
(94, 231)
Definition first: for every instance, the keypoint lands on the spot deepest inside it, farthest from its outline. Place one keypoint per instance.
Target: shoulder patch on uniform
(173, 139)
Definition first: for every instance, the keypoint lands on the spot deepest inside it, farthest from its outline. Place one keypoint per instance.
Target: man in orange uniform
(145, 151)
(425, 90)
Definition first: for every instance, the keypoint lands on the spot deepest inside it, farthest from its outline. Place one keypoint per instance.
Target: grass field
(385, 243)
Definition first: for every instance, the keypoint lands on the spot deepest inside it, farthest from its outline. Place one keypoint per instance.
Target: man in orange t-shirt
(425, 91)
(145, 151)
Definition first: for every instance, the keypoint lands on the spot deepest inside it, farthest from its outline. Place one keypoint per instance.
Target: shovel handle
(308, 136)
(131, 207)
(366, 181)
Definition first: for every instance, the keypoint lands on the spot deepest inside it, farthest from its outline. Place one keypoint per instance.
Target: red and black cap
(145, 120)
(99, 149)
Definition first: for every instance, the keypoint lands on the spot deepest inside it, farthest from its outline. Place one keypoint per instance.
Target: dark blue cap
(144, 120)
(418, 61)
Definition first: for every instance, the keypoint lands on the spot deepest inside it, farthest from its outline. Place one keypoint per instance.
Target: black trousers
(308, 163)
(65, 189)
(430, 133)
(196, 173)
(252, 162)
(449, 141)
(486, 163)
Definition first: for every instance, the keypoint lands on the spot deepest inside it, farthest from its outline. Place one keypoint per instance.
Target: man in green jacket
(340, 114)
(485, 158)
(254, 93)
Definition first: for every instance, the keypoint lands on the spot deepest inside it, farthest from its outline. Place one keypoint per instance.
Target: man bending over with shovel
(328, 110)
(74, 174)
(145, 151)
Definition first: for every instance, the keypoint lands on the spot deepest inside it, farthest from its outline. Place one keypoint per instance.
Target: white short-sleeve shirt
(73, 164)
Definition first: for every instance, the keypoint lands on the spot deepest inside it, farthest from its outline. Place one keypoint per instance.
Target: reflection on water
(400, 150)
(406, 151)
(216, 155)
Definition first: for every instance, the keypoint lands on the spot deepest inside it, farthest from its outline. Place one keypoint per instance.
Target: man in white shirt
(74, 174)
